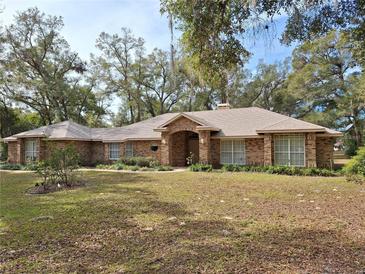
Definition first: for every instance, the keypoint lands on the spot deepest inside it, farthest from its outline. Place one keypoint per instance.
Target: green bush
(31, 166)
(103, 166)
(357, 164)
(133, 168)
(164, 168)
(9, 166)
(355, 168)
(282, 170)
(59, 167)
(139, 161)
(118, 166)
(201, 167)
(232, 167)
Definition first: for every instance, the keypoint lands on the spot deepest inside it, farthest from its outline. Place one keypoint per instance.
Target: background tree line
(43, 81)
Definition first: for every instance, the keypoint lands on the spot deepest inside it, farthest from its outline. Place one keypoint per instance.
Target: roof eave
(132, 139)
(207, 128)
(159, 129)
(289, 130)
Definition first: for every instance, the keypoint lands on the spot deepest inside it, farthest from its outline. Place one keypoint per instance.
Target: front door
(193, 147)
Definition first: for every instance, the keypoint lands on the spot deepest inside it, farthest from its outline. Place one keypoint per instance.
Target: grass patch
(183, 222)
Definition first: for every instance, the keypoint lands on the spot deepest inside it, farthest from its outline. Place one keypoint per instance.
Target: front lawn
(183, 222)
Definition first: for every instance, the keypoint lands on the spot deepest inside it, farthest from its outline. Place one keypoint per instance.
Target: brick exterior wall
(97, 153)
(171, 146)
(82, 147)
(324, 151)
(254, 151)
(215, 152)
(143, 148)
(310, 150)
(13, 152)
(268, 150)
(204, 147)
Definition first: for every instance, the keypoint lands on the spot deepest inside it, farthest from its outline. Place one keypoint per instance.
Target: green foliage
(41, 71)
(139, 161)
(282, 170)
(232, 167)
(201, 167)
(164, 168)
(136, 163)
(356, 166)
(9, 166)
(59, 167)
(32, 166)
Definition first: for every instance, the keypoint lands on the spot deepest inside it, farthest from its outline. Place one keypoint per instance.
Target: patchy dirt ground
(183, 223)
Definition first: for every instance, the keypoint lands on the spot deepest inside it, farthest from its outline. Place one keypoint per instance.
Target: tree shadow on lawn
(104, 233)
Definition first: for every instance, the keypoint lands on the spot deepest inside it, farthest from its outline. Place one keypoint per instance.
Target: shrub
(134, 168)
(232, 167)
(357, 164)
(201, 167)
(59, 167)
(283, 170)
(118, 166)
(31, 166)
(9, 166)
(139, 161)
(164, 168)
(355, 168)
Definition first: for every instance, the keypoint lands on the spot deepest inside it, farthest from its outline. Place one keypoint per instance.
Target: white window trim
(110, 150)
(127, 149)
(232, 151)
(289, 143)
(31, 155)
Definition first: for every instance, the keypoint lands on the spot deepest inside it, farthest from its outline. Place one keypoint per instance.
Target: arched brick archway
(182, 145)
(175, 133)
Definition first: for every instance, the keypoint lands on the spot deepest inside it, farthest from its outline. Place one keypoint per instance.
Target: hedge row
(283, 170)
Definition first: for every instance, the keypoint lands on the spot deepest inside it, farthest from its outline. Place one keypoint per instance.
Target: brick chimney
(224, 106)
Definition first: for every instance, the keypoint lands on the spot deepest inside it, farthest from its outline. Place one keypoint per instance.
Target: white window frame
(31, 151)
(232, 151)
(288, 150)
(128, 150)
(114, 151)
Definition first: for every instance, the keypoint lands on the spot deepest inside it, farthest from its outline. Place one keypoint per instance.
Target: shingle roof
(240, 122)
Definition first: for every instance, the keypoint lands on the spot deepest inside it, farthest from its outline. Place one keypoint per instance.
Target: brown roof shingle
(240, 122)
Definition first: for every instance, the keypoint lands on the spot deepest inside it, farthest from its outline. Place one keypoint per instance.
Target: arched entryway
(182, 145)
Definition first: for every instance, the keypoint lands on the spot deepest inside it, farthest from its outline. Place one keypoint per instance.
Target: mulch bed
(42, 189)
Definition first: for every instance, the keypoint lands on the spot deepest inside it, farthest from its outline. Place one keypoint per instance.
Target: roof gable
(237, 123)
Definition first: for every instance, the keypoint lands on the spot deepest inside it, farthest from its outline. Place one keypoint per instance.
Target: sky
(85, 19)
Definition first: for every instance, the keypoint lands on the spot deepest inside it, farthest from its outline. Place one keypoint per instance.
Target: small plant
(355, 168)
(134, 168)
(59, 167)
(190, 159)
(164, 168)
(31, 166)
(139, 161)
(232, 167)
(201, 167)
(9, 166)
(282, 170)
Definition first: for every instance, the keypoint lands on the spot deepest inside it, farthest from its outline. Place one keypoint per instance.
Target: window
(128, 150)
(31, 151)
(114, 151)
(289, 150)
(233, 152)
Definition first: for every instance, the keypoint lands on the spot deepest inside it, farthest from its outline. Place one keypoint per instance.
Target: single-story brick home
(245, 136)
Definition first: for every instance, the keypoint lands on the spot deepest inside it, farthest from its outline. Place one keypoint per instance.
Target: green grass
(183, 222)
